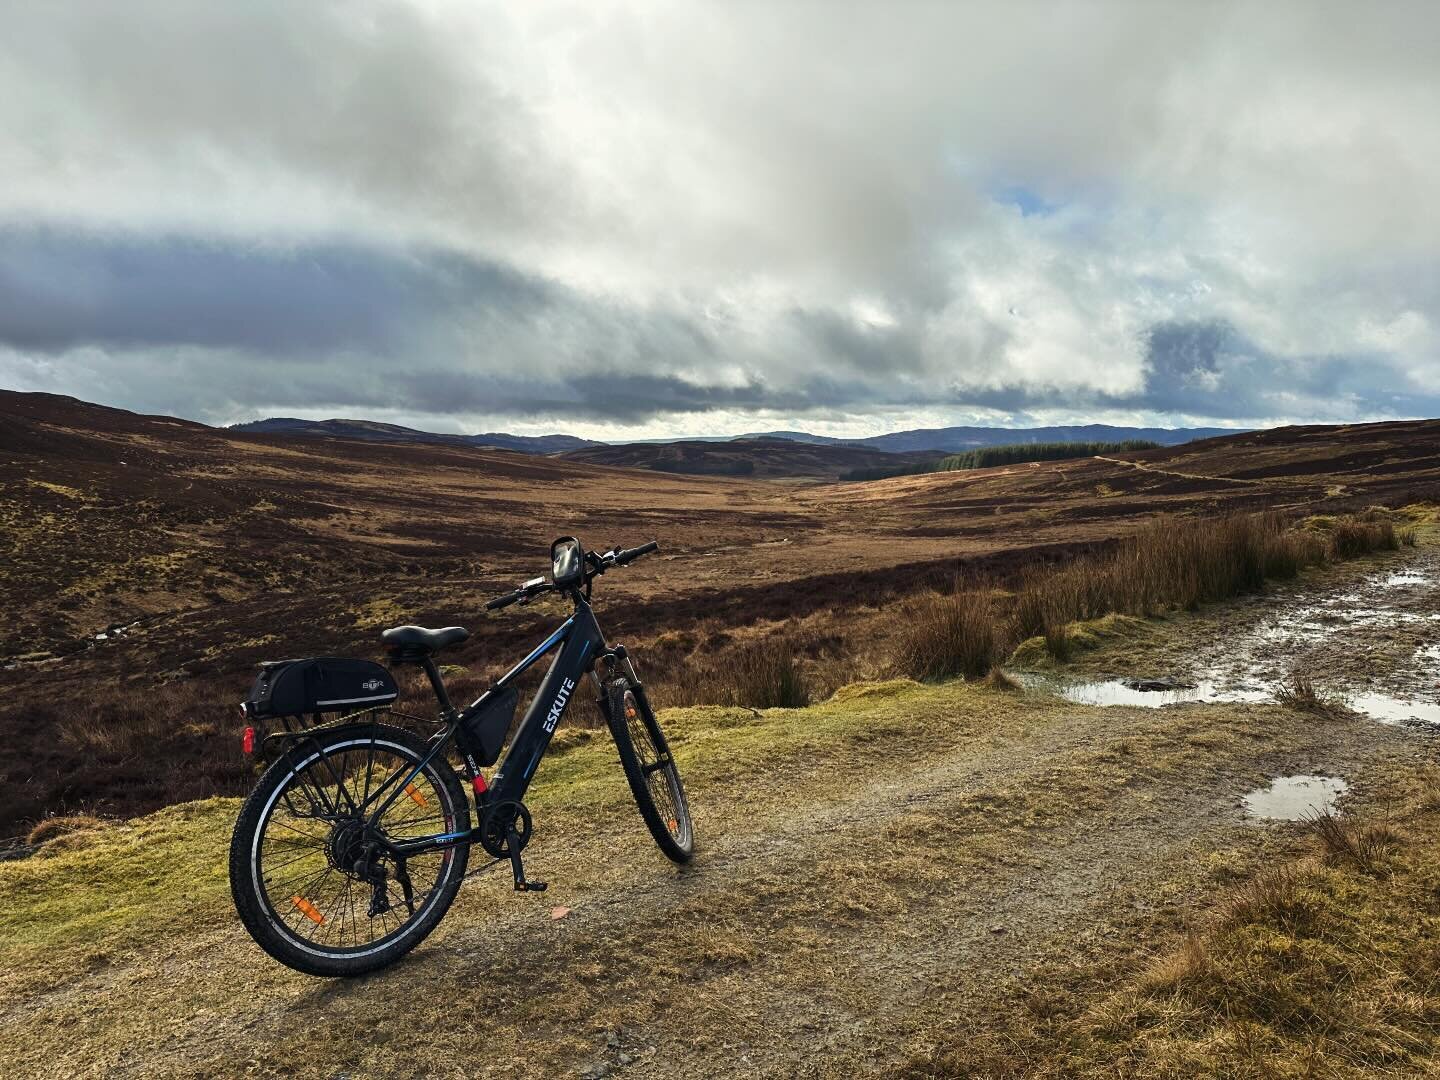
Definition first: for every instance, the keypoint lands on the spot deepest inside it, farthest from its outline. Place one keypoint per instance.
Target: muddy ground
(875, 874)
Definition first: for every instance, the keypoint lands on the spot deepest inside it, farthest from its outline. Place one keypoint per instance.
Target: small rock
(1159, 685)
(997, 929)
(558, 913)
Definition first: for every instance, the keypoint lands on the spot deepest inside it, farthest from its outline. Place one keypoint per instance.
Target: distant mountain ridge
(374, 431)
(948, 440)
(954, 440)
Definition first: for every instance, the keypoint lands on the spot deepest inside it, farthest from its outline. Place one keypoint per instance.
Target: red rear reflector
(480, 786)
(247, 740)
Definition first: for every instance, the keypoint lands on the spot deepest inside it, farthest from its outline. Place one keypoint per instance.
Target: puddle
(1391, 710)
(1292, 798)
(1126, 692)
(1278, 633)
(1406, 577)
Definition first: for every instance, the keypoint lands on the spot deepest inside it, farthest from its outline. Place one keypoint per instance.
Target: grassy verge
(1325, 965)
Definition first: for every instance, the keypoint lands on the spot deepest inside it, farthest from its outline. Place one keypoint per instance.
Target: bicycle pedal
(530, 886)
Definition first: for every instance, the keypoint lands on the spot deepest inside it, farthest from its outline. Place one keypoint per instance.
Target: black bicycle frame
(580, 642)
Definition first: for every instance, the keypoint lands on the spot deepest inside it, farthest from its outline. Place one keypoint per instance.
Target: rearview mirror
(567, 562)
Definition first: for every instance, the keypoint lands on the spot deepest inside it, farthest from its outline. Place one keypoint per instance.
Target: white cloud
(777, 210)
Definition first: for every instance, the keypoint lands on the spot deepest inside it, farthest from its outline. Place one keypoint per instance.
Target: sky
(656, 219)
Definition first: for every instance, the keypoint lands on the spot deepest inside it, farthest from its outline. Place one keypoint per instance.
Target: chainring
(497, 824)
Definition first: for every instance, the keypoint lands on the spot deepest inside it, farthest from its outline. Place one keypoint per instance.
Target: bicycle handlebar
(601, 563)
(631, 554)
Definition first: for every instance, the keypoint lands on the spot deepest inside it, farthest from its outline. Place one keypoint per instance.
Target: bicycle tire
(650, 769)
(252, 889)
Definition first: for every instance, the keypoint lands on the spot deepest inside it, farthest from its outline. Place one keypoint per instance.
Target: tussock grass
(948, 635)
(1298, 692)
(998, 680)
(1363, 845)
(1353, 537)
(1172, 971)
(764, 674)
(51, 828)
(1167, 565)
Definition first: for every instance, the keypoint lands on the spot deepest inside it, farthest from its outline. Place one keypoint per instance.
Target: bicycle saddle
(419, 639)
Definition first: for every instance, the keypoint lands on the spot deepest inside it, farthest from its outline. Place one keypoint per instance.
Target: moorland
(921, 854)
(149, 563)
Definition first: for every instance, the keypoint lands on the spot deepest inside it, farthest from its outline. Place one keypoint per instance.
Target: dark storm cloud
(62, 290)
(1211, 368)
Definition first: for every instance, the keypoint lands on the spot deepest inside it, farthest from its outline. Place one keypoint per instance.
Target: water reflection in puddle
(1395, 710)
(1120, 692)
(1249, 665)
(1381, 707)
(1292, 798)
(1407, 577)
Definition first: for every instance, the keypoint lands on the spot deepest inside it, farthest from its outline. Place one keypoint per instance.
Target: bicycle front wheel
(650, 769)
(311, 878)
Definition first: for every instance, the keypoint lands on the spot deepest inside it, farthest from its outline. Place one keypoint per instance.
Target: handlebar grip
(631, 554)
(502, 601)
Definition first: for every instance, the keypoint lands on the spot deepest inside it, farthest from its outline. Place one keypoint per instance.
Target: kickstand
(512, 841)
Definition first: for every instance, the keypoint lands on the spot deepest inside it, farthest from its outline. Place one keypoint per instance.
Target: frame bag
(483, 734)
(319, 685)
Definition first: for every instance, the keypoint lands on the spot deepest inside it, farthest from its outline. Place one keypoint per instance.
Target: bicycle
(356, 838)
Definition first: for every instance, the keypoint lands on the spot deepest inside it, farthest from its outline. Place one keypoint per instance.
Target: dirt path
(860, 861)
(1143, 466)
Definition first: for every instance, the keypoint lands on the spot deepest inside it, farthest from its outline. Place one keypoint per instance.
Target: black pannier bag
(482, 735)
(319, 685)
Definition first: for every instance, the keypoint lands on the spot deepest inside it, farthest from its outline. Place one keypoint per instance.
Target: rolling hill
(762, 458)
(373, 431)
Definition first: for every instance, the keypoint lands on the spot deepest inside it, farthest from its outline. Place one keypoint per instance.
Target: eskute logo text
(559, 707)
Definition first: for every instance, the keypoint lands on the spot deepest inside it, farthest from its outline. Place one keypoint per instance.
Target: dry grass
(1282, 896)
(1298, 692)
(947, 635)
(1322, 966)
(51, 828)
(1363, 845)
(763, 674)
(1356, 536)
(1174, 970)
(1166, 565)
(998, 680)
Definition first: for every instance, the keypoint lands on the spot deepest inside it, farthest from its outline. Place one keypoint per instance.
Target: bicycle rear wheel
(650, 769)
(310, 881)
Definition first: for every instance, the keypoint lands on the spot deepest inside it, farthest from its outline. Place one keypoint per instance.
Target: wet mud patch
(1366, 635)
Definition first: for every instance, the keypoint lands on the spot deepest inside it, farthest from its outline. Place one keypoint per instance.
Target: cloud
(679, 214)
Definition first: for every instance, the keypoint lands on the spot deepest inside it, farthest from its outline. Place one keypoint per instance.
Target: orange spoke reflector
(674, 825)
(630, 713)
(414, 793)
(309, 910)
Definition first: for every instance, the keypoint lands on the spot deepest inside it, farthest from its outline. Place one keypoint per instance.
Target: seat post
(437, 684)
